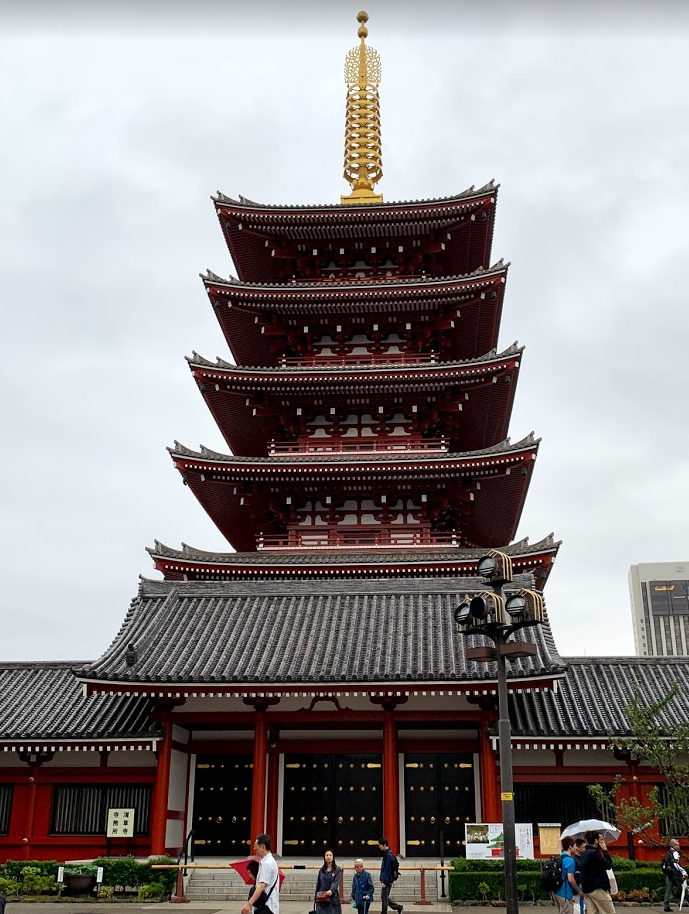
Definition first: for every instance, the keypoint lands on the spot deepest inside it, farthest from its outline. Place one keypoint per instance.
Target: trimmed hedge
(119, 872)
(464, 884)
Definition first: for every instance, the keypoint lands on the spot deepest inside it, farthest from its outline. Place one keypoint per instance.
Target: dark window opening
(6, 792)
(83, 809)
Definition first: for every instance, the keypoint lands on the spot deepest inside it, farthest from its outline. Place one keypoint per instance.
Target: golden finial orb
(363, 164)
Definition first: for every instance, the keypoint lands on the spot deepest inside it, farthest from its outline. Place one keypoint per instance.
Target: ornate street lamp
(498, 616)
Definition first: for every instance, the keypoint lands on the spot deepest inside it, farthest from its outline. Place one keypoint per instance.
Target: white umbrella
(579, 829)
(684, 889)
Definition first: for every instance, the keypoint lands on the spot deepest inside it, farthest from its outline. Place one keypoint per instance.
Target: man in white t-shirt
(265, 899)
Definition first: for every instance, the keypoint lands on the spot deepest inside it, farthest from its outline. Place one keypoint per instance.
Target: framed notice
(486, 841)
(549, 838)
(120, 823)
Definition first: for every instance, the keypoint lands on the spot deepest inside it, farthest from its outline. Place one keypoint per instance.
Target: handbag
(262, 899)
(323, 898)
(613, 882)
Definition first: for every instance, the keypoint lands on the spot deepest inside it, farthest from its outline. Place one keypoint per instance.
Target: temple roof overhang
(462, 225)
(194, 637)
(251, 313)
(474, 396)
(239, 493)
(191, 564)
(577, 716)
(44, 709)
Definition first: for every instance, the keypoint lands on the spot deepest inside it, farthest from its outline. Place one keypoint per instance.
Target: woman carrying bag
(328, 886)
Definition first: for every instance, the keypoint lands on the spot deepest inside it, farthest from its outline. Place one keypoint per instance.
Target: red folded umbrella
(244, 867)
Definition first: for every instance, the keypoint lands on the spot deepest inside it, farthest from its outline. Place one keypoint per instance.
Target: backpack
(551, 874)
(668, 863)
(394, 868)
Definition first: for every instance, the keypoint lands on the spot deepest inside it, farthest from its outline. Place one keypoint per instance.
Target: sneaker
(667, 909)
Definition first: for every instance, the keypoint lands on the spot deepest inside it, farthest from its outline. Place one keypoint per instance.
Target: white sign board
(120, 823)
(99, 875)
(485, 841)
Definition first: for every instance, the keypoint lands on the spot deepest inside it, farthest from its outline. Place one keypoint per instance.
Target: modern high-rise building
(659, 594)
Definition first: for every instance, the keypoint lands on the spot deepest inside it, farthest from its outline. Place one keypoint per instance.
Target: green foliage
(152, 890)
(12, 869)
(652, 744)
(80, 869)
(125, 872)
(106, 891)
(476, 885)
(462, 865)
(9, 887)
(35, 883)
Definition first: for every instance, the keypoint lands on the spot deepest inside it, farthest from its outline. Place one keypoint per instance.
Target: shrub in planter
(34, 883)
(152, 890)
(13, 868)
(121, 872)
(9, 887)
(106, 891)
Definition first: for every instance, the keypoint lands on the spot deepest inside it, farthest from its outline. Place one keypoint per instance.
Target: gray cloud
(118, 129)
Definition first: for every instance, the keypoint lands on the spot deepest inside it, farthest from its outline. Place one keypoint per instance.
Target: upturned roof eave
(244, 205)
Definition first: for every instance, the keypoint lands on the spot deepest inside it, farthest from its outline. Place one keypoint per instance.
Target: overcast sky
(117, 129)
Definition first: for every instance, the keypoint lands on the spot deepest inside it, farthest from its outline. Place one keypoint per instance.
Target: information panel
(486, 841)
(120, 823)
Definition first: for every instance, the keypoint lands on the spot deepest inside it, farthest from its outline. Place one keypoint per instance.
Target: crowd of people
(264, 897)
(587, 873)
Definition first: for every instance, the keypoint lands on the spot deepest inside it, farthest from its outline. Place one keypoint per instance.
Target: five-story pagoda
(366, 412)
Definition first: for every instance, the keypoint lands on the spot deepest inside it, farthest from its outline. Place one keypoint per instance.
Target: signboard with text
(485, 840)
(120, 823)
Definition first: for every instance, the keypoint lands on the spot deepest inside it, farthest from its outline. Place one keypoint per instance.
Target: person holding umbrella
(595, 884)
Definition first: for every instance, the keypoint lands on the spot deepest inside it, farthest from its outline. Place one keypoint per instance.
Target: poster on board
(485, 840)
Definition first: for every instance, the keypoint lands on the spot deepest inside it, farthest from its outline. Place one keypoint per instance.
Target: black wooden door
(332, 801)
(222, 805)
(439, 795)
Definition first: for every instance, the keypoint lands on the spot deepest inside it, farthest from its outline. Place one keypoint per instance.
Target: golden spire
(363, 162)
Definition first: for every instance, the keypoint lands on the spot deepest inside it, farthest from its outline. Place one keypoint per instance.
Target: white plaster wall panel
(74, 760)
(177, 793)
(593, 758)
(174, 833)
(544, 757)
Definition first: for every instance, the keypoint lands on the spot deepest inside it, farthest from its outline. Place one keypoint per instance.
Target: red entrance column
(161, 789)
(273, 784)
(490, 786)
(258, 793)
(391, 781)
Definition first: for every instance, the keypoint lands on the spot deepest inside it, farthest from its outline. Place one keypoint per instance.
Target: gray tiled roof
(354, 282)
(262, 632)
(45, 701)
(411, 371)
(349, 557)
(356, 459)
(590, 700)
(368, 208)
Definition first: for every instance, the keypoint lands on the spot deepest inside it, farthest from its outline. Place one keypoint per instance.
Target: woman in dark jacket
(329, 876)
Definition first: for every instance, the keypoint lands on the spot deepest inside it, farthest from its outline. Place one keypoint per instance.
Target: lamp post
(498, 616)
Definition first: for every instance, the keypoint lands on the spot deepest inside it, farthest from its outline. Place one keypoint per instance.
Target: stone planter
(78, 884)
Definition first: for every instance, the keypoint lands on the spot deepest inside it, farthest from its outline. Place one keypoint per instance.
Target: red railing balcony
(352, 360)
(373, 537)
(391, 444)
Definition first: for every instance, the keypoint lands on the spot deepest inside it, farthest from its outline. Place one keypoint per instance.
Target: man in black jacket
(595, 862)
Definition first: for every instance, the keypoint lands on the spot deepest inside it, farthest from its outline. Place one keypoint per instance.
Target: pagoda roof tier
(251, 405)
(245, 495)
(190, 564)
(258, 319)
(197, 637)
(264, 240)
(44, 709)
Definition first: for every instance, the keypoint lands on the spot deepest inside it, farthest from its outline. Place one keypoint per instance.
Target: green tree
(659, 739)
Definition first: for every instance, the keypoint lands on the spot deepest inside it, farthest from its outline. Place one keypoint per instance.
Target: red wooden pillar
(258, 792)
(161, 789)
(490, 784)
(391, 780)
(27, 837)
(273, 784)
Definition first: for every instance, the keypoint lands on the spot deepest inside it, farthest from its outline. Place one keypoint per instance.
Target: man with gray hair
(673, 872)
(362, 887)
